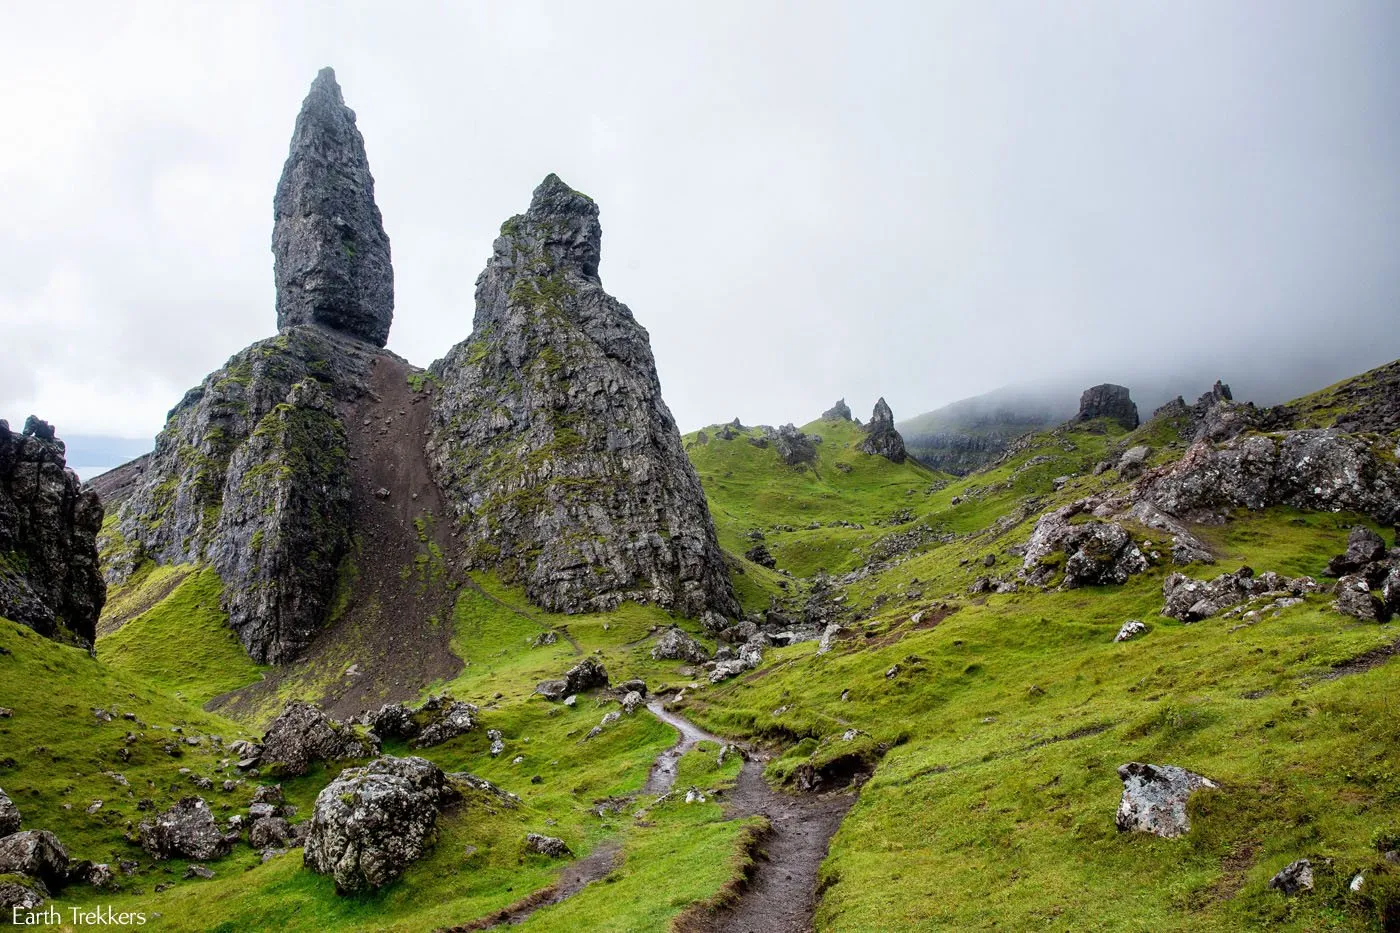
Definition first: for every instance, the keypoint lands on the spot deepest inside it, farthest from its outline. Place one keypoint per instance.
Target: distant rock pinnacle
(838, 412)
(882, 439)
(1108, 401)
(331, 255)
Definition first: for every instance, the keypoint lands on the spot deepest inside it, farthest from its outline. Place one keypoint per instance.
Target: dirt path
(781, 894)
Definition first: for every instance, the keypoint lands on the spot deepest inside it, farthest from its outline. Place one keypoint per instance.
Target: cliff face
(49, 578)
(551, 440)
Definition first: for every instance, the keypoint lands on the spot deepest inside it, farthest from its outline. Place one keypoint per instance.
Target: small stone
(1131, 629)
(1295, 878)
(547, 845)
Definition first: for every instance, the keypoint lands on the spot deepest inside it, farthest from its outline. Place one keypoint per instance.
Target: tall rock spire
(550, 438)
(882, 439)
(331, 255)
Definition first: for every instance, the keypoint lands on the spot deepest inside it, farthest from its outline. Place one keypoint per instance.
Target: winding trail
(781, 893)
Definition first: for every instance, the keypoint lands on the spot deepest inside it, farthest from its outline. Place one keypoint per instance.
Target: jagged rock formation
(1189, 600)
(49, 574)
(1090, 553)
(881, 437)
(794, 447)
(331, 255)
(302, 734)
(838, 412)
(550, 438)
(371, 823)
(1108, 401)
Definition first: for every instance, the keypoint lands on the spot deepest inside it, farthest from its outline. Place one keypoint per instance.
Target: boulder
(794, 447)
(1133, 461)
(37, 854)
(19, 895)
(392, 721)
(547, 845)
(186, 830)
(1354, 599)
(675, 645)
(1190, 600)
(587, 674)
(9, 816)
(1131, 629)
(1096, 552)
(760, 555)
(632, 702)
(269, 833)
(330, 252)
(302, 734)
(1364, 547)
(371, 823)
(1154, 798)
(446, 719)
(1295, 878)
(881, 438)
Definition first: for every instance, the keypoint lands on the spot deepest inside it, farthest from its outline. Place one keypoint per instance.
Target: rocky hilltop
(881, 437)
(49, 578)
(550, 438)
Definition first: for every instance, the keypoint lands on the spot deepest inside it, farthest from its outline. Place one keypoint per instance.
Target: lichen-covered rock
(838, 412)
(1295, 878)
(1190, 600)
(1154, 798)
(1364, 547)
(881, 438)
(794, 447)
(675, 645)
(19, 895)
(1108, 401)
(1318, 470)
(371, 823)
(1131, 464)
(585, 675)
(551, 440)
(1131, 629)
(444, 718)
(50, 580)
(186, 830)
(302, 734)
(760, 555)
(9, 815)
(270, 832)
(1354, 598)
(392, 721)
(1095, 552)
(551, 846)
(331, 255)
(37, 854)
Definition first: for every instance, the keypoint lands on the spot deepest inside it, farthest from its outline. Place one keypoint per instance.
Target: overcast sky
(800, 201)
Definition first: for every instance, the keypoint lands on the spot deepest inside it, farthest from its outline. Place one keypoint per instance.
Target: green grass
(183, 644)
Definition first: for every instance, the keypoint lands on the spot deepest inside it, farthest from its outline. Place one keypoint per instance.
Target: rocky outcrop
(186, 830)
(1355, 599)
(1189, 600)
(1321, 470)
(331, 255)
(838, 412)
(444, 718)
(19, 895)
(1364, 548)
(36, 854)
(675, 645)
(551, 440)
(302, 734)
(881, 437)
(587, 674)
(1109, 401)
(1094, 552)
(1133, 461)
(1154, 798)
(49, 575)
(794, 447)
(371, 823)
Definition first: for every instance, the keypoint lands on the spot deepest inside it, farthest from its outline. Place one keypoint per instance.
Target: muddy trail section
(779, 894)
(391, 636)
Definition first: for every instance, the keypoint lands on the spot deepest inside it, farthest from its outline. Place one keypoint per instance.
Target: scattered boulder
(881, 437)
(1108, 401)
(760, 555)
(1354, 599)
(302, 734)
(392, 721)
(750, 656)
(9, 816)
(1133, 461)
(198, 871)
(1295, 878)
(270, 832)
(585, 675)
(35, 853)
(446, 719)
(19, 895)
(675, 645)
(1364, 547)
(1190, 600)
(1096, 552)
(186, 830)
(1154, 798)
(1131, 629)
(547, 845)
(371, 823)
(793, 446)
(632, 702)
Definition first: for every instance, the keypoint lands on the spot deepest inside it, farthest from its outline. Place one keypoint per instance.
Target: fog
(919, 200)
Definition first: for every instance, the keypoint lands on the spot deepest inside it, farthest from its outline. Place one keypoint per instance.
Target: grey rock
(1295, 878)
(760, 555)
(198, 871)
(881, 438)
(1390, 592)
(270, 832)
(9, 815)
(331, 255)
(302, 734)
(498, 742)
(1354, 599)
(19, 895)
(838, 412)
(444, 719)
(392, 721)
(36, 853)
(371, 823)
(186, 830)
(1190, 600)
(1154, 798)
(1096, 552)
(1108, 401)
(550, 438)
(588, 674)
(794, 447)
(632, 702)
(547, 845)
(1364, 547)
(1133, 461)
(1131, 629)
(675, 645)
(50, 579)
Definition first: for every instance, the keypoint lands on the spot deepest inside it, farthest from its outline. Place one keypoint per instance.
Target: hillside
(967, 434)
